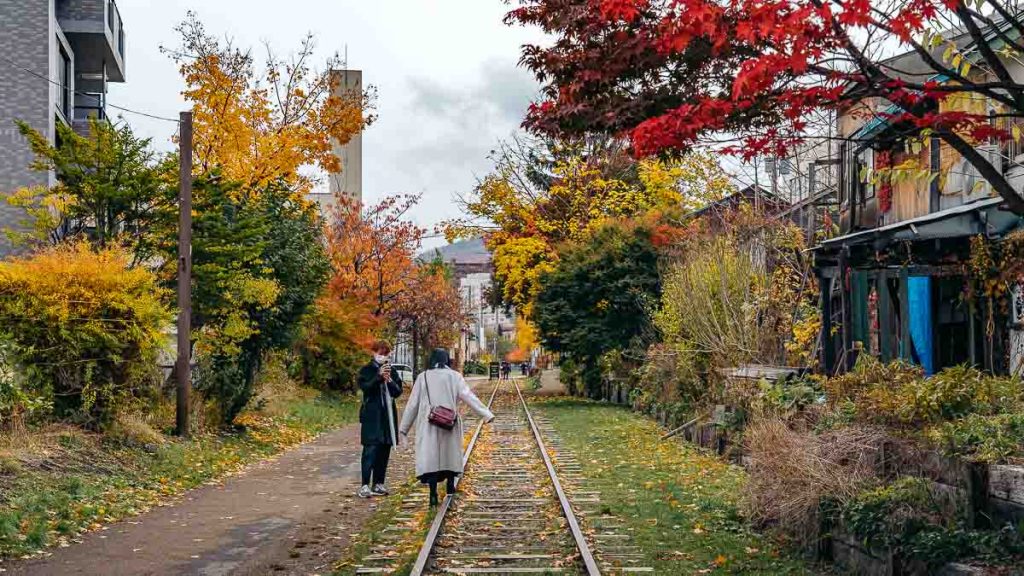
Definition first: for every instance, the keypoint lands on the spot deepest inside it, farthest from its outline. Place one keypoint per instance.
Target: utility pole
(497, 332)
(184, 368)
(757, 186)
(775, 177)
(415, 349)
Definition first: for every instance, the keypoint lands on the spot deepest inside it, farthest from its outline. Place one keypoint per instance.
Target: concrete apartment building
(350, 179)
(56, 59)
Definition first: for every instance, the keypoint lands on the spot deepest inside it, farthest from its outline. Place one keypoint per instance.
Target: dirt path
(291, 515)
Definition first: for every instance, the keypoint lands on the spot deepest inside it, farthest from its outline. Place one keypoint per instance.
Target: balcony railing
(90, 105)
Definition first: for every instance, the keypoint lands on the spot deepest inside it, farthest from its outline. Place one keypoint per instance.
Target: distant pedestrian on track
(378, 415)
(439, 449)
(506, 371)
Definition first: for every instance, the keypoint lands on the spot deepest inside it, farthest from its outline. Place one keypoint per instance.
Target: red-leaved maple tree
(748, 74)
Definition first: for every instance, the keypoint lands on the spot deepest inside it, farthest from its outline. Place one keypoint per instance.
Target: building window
(64, 81)
(861, 165)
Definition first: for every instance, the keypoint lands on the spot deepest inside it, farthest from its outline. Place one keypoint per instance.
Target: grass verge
(402, 552)
(60, 482)
(679, 504)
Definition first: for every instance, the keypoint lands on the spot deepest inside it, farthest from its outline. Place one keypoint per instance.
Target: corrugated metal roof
(922, 227)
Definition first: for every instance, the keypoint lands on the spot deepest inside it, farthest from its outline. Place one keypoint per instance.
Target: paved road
(294, 514)
(291, 515)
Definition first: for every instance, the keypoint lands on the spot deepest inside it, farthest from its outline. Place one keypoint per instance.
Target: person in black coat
(378, 415)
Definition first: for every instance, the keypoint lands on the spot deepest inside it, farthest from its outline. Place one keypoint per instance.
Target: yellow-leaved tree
(84, 328)
(694, 180)
(542, 195)
(265, 124)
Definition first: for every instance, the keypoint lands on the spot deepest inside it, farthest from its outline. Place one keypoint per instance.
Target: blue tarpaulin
(919, 293)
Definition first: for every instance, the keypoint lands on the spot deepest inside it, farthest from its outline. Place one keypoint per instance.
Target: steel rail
(435, 526)
(574, 525)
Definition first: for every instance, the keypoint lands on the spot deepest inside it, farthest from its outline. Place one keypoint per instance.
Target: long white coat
(438, 449)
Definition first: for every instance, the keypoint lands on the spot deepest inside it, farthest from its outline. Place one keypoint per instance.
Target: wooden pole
(184, 367)
(415, 350)
(679, 429)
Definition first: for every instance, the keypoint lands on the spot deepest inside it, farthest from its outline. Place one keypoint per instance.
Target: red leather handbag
(440, 416)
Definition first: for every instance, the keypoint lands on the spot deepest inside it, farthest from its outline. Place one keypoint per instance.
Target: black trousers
(375, 462)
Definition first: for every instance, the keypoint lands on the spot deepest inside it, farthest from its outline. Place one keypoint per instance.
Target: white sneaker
(379, 490)
(364, 492)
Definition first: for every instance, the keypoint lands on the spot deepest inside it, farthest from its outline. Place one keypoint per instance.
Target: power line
(17, 66)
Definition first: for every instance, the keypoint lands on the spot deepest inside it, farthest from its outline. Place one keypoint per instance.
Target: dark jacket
(372, 413)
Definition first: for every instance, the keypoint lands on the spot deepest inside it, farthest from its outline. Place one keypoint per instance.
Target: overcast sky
(445, 70)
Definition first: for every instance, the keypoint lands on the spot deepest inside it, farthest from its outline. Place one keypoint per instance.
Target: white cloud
(445, 72)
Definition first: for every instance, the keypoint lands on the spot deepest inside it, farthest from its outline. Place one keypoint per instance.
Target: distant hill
(463, 252)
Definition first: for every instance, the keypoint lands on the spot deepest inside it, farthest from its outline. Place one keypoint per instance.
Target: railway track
(511, 515)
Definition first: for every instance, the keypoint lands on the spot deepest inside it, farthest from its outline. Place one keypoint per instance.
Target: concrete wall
(350, 180)
(94, 28)
(82, 10)
(27, 33)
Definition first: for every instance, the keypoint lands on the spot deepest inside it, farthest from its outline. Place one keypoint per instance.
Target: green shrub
(900, 394)
(839, 415)
(17, 404)
(671, 376)
(982, 438)
(329, 351)
(907, 517)
(595, 302)
(886, 516)
(569, 376)
(82, 328)
(868, 374)
(475, 367)
(785, 397)
(957, 392)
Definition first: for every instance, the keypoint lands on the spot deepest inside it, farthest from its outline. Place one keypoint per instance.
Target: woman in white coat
(438, 451)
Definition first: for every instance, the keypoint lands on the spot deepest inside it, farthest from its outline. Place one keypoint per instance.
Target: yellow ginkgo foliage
(267, 124)
(527, 337)
(693, 181)
(518, 264)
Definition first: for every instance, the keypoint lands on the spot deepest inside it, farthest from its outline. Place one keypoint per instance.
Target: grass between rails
(402, 552)
(58, 483)
(679, 504)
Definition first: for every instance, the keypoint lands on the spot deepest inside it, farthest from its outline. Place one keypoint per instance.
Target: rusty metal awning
(982, 217)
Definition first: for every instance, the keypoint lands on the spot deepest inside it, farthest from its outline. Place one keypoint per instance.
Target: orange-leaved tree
(261, 124)
(430, 311)
(372, 250)
(333, 341)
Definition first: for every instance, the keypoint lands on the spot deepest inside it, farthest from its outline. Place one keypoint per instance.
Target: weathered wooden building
(893, 281)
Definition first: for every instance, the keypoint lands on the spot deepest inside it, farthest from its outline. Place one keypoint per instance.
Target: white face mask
(380, 358)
